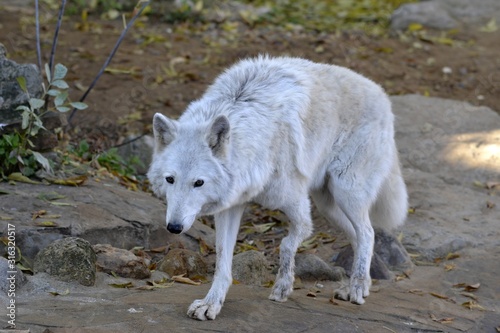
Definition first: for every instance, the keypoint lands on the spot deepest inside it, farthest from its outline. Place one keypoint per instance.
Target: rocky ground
(450, 151)
(451, 169)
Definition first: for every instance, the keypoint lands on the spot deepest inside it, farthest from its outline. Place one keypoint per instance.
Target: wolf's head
(188, 168)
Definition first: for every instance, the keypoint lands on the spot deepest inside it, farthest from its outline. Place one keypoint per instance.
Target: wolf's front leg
(300, 228)
(227, 224)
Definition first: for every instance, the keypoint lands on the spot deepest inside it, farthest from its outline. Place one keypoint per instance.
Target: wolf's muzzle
(174, 228)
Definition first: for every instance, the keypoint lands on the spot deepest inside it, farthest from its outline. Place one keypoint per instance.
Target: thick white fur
(274, 131)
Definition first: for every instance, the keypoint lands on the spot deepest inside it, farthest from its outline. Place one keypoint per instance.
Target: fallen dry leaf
(439, 295)
(467, 287)
(50, 196)
(57, 203)
(146, 287)
(449, 267)
(19, 177)
(38, 213)
(333, 301)
(490, 205)
(162, 285)
(472, 287)
(56, 293)
(186, 280)
(416, 291)
(445, 320)
(401, 277)
(479, 184)
(472, 305)
(73, 181)
(451, 256)
(160, 249)
(51, 224)
(268, 284)
(491, 26)
(122, 285)
(474, 297)
(492, 184)
(311, 294)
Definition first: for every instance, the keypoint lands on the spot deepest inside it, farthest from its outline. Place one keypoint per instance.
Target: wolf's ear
(218, 136)
(164, 131)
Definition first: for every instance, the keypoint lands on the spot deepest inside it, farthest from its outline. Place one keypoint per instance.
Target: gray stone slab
(446, 14)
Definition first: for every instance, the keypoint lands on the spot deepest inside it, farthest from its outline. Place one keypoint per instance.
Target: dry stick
(38, 49)
(111, 55)
(56, 35)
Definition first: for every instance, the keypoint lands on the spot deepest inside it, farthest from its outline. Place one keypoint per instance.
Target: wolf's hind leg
(356, 211)
(299, 214)
(227, 224)
(327, 207)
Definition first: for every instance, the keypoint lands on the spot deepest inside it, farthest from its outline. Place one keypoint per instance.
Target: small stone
(251, 268)
(121, 262)
(447, 70)
(183, 262)
(388, 254)
(430, 14)
(312, 267)
(391, 251)
(68, 259)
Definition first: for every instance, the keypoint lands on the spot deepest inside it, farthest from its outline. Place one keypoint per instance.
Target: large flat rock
(447, 149)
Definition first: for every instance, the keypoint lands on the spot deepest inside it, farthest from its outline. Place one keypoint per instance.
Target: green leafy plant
(370, 16)
(115, 163)
(110, 159)
(16, 149)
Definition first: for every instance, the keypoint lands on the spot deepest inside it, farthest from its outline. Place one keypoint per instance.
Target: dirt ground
(162, 67)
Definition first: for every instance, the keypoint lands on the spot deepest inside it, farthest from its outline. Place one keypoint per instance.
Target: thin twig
(38, 49)
(108, 60)
(56, 35)
(129, 141)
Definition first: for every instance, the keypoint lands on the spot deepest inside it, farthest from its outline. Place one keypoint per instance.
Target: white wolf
(274, 131)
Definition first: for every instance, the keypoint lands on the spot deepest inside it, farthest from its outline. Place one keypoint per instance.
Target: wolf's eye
(170, 179)
(198, 183)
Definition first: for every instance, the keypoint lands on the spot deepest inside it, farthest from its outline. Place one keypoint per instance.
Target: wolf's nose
(174, 228)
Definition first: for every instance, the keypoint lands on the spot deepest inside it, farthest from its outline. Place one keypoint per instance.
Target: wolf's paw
(355, 291)
(281, 290)
(203, 310)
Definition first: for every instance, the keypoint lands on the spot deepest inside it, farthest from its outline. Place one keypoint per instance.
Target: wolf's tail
(391, 207)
